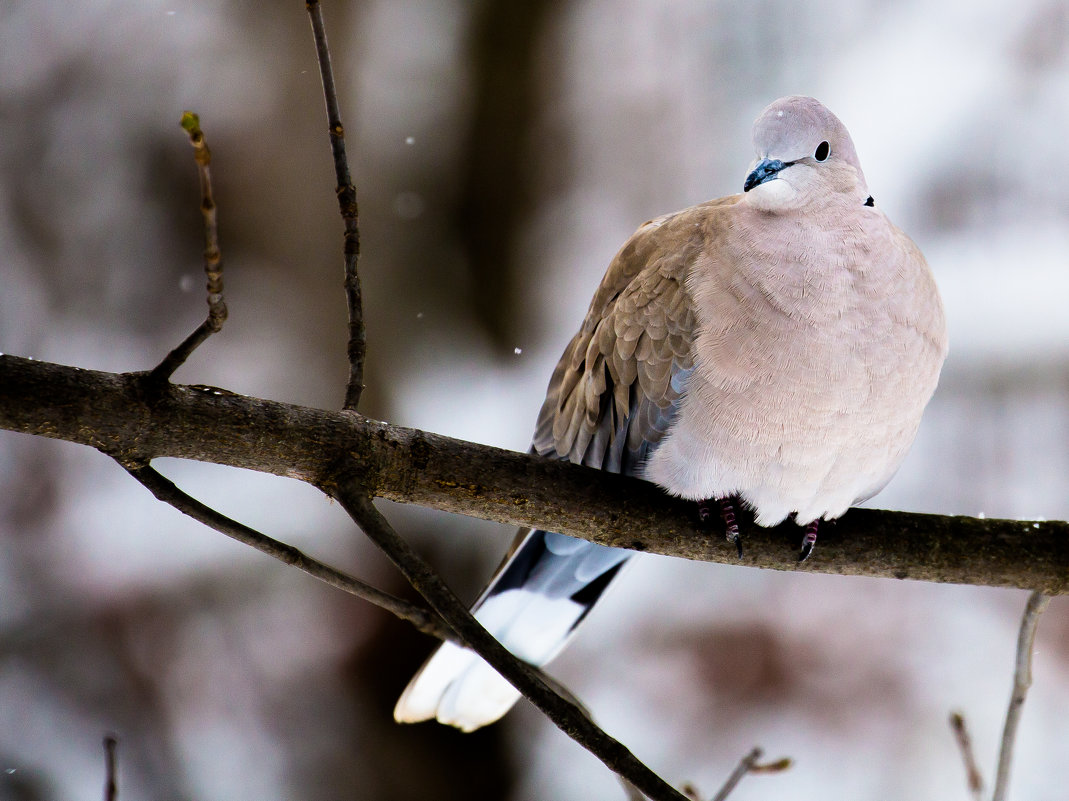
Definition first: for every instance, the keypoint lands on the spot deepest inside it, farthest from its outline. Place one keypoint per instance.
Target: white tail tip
(457, 688)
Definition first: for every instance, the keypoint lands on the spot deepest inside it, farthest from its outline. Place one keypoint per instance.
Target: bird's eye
(822, 152)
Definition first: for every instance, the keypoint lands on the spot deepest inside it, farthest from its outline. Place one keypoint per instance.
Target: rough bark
(115, 413)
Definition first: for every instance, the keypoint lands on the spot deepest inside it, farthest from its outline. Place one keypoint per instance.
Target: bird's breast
(807, 386)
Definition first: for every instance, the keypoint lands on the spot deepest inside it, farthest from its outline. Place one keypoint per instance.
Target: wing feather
(619, 383)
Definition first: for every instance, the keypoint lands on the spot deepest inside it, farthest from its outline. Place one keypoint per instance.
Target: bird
(773, 349)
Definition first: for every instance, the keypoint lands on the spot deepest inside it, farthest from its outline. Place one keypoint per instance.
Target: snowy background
(503, 152)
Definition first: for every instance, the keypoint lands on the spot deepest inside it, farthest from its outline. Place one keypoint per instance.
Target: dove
(774, 349)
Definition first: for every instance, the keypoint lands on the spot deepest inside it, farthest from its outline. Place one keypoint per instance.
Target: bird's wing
(617, 388)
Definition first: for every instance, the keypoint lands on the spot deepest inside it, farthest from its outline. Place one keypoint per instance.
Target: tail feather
(532, 607)
(458, 688)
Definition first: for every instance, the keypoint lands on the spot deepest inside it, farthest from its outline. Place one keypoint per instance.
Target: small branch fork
(213, 260)
(749, 764)
(346, 192)
(1022, 681)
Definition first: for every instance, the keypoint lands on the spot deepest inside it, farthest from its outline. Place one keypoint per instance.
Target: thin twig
(1022, 680)
(780, 765)
(972, 772)
(165, 490)
(111, 785)
(346, 192)
(562, 712)
(213, 259)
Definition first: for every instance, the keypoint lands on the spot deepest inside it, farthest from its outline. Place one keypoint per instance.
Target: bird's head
(804, 156)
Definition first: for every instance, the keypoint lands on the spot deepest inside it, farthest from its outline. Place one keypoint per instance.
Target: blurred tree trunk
(496, 191)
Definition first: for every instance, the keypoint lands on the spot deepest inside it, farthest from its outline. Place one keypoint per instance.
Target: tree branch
(165, 490)
(547, 694)
(1022, 680)
(346, 192)
(746, 764)
(564, 713)
(974, 781)
(112, 413)
(213, 260)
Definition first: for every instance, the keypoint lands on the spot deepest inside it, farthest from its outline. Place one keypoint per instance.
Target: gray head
(804, 153)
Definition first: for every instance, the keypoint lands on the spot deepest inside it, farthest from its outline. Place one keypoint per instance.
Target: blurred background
(503, 152)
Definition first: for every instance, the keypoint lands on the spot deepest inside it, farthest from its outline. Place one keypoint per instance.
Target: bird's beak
(766, 170)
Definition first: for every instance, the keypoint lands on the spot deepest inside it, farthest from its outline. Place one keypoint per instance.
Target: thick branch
(109, 412)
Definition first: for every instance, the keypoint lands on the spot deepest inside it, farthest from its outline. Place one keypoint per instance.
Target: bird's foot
(809, 540)
(727, 514)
